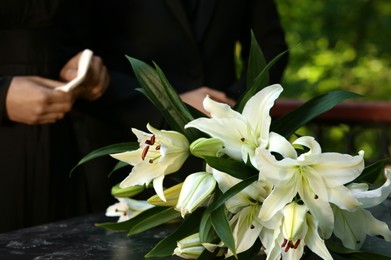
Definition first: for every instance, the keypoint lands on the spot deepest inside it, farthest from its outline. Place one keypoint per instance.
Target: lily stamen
(154, 159)
(151, 141)
(296, 244)
(289, 244)
(144, 153)
(122, 211)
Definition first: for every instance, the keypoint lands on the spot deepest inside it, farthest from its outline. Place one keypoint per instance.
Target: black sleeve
(4, 85)
(264, 21)
(270, 35)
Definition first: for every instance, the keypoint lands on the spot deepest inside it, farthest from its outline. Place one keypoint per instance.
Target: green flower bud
(197, 187)
(189, 247)
(171, 194)
(207, 147)
(131, 191)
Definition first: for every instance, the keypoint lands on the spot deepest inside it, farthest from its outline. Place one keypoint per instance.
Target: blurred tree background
(337, 44)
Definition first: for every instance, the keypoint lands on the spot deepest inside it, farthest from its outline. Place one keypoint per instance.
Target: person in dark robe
(192, 41)
(37, 140)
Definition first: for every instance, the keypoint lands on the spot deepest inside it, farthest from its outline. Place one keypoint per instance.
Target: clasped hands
(33, 99)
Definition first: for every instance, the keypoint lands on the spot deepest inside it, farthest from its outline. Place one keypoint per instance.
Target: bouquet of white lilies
(264, 190)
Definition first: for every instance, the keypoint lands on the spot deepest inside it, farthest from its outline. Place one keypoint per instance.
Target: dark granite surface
(78, 238)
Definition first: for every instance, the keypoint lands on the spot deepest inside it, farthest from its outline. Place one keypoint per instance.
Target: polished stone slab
(78, 238)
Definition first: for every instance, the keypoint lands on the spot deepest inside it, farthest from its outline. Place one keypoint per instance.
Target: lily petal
(245, 230)
(257, 109)
(309, 142)
(313, 240)
(318, 202)
(158, 186)
(142, 173)
(338, 169)
(130, 157)
(276, 201)
(278, 144)
(219, 110)
(352, 227)
(374, 197)
(343, 198)
(277, 172)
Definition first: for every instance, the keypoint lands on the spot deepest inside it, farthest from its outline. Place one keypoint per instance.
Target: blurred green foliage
(337, 44)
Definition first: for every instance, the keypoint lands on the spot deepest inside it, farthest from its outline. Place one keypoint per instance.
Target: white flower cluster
(300, 198)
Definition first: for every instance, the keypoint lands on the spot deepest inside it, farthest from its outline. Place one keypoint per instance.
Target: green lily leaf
(158, 90)
(131, 223)
(256, 61)
(234, 168)
(206, 225)
(221, 226)
(257, 74)
(116, 191)
(374, 173)
(219, 202)
(166, 246)
(289, 123)
(337, 248)
(127, 225)
(119, 165)
(164, 216)
(206, 229)
(104, 151)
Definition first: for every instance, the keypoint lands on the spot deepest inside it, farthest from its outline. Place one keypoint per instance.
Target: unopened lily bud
(131, 191)
(294, 225)
(171, 194)
(197, 187)
(207, 147)
(189, 247)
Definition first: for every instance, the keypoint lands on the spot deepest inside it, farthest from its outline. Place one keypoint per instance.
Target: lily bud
(131, 191)
(171, 194)
(196, 189)
(207, 147)
(294, 225)
(189, 247)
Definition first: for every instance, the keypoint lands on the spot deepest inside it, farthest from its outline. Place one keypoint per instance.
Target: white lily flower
(317, 177)
(127, 208)
(245, 206)
(353, 227)
(196, 188)
(160, 153)
(189, 247)
(294, 228)
(241, 133)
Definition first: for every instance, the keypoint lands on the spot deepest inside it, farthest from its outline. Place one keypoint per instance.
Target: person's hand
(32, 100)
(196, 97)
(95, 82)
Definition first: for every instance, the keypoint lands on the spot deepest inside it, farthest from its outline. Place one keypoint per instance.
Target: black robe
(35, 161)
